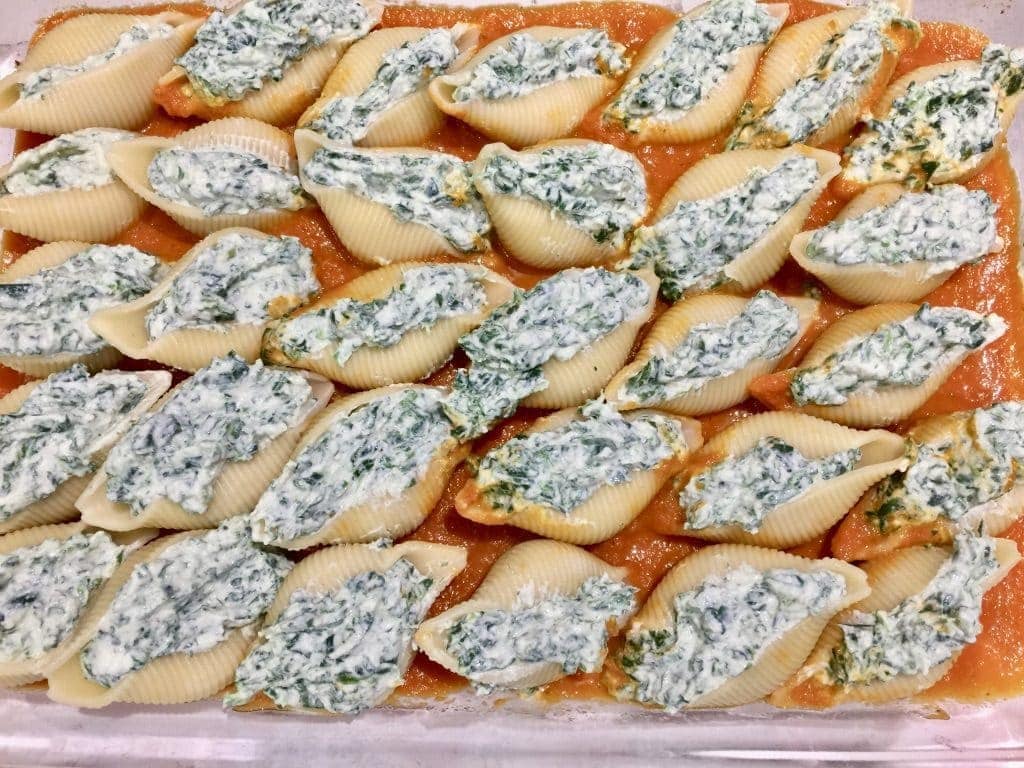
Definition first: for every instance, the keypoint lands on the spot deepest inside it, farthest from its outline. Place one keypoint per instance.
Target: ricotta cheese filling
(721, 629)
(71, 161)
(341, 651)
(555, 320)
(944, 228)
(425, 297)
(541, 628)
(743, 490)
(693, 244)
(45, 587)
(522, 64)
(924, 630)
(237, 279)
(403, 71)
(47, 313)
(939, 125)
(223, 182)
(227, 412)
(701, 53)
(561, 468)
(595, 187)
(431, 189)
(237, 53)
(763, 330)
(898, 354)
(371, 455)
(52, 436)
(186, 600)
(37, 83)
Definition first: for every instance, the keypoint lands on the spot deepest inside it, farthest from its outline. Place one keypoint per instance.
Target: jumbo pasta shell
(606, 512)
(236, 490)
(672, 327)
(551, 568)
(130, 160)
(540, 115)
(780, 659)
(412, 119)
(813, 512)
(117, 94)
(419, 353)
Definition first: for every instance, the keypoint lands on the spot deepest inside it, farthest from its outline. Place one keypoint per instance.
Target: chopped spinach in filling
(568, 630)
(342, 651)
(425, 296)
(39, 82)
(693, 244)
(222, 181)
(562, 468)
(47, 313)
(743, 490)
(72, 161)
(555, 320)
(45, 587)
(523, 64)
(596, 187)
(227, 412)
(700, 55)
(431, 189)
(938, 125)
(52, 436)
(845, 65)
(403, 71)
(720, 630)
(237, 53)
(186, 600)
(373, 454)
(924, 630)
(763, 330)
(945, 228)
(237, 279)
(898, 354)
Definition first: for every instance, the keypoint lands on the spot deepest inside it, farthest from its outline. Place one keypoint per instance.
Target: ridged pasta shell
(718, 111)
(236, 490)
(611, 507)
(674, 325)
(540, 115)
(130, 160)
(375, 519)
(278, 102)
(117, 94)
(417, 355)
(535, 233)
(18, 673)
(574, 381)
(817, 509)
(892, 579)
(780, 659)
(552, 568)
(59, 506)
(189, 349)
(408, 122)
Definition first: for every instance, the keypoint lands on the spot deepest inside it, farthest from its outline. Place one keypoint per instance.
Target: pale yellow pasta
(116, 94)
(541, 567)
(672, 327)
(815, 510)
(412, 119)
(547, 112)
(606, 512)
(778, 660)
(419, 353)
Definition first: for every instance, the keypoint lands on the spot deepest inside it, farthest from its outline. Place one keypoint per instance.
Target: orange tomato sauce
(991, 668)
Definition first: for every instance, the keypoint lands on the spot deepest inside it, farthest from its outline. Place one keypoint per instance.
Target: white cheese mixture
(72, 161)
